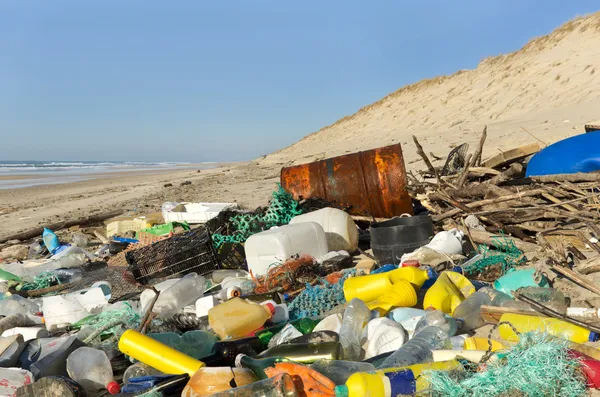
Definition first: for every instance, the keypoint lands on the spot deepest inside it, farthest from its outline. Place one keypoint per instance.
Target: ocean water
(32, 173)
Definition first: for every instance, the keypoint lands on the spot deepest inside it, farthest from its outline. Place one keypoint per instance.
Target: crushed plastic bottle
(418, 349)
(288, 333)
(182, 293)
(356, 316)
(79, 240)
(139, 369)
(469, 311)
(438, 319)
(340, 370)
(92, 370)
(281, 385)
(50, 240)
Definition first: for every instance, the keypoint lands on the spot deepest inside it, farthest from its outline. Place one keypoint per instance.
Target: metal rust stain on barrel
(371, 182)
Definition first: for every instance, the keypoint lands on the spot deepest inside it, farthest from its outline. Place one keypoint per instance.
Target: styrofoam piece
(196, 212)
(340, 230)
(61, 311)
(13, 378)
(276, 245)
(28, 333)
(204, 304)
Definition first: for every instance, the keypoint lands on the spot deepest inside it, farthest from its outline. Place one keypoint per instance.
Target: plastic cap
(113, 387)
(238, 360)
(271, 308)
(593, 337)
(341, 391)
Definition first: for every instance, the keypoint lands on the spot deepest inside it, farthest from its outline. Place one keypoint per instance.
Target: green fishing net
(282, 209)
(111, 323)
(506, 254)
(42, 280)
(539, 365)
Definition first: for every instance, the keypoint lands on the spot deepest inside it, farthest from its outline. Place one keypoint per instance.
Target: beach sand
(542, 93)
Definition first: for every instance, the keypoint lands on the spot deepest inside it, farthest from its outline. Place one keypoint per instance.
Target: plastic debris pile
(486, 290)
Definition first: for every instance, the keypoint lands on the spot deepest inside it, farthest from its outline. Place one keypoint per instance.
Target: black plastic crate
(177, 256)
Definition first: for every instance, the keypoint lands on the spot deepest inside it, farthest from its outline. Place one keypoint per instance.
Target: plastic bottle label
(402, 382)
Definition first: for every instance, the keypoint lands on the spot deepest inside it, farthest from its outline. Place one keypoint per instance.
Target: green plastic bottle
(304, 325)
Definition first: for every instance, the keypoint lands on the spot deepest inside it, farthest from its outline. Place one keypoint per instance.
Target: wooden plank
(512, 155)
(592, 126)
(492, 314)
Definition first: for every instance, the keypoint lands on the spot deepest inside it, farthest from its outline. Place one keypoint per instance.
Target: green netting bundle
(539, 365)
(506, 254)
(282, 209)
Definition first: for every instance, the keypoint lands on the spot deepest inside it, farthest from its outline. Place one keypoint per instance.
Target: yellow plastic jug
(237, 317)
(400, 294)
(475, 343)
(387, 383)
(366, 288)
(413, 275)
(552, 326)
(370, 287)
(157, 355)
(449, 290)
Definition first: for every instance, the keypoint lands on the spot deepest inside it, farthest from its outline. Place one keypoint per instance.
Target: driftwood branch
(430, 166)
(476, 161)
(29, 234)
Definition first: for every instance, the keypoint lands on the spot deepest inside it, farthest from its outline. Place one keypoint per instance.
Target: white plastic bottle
(92, 370)
(182, 293)
(418, 349)
(356, 316)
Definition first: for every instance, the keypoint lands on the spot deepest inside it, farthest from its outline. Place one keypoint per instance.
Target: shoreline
(250, 184)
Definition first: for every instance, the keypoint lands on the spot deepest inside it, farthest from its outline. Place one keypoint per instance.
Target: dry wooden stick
(528, 193)
(465, 172)
(477, 157)
(430, 166)
(149, 310)
(555, 200)
(577, 279)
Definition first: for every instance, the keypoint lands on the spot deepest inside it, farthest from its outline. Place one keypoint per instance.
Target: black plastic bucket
(398, 236)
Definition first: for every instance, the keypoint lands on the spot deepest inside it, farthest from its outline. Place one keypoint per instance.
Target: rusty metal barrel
(371, 183)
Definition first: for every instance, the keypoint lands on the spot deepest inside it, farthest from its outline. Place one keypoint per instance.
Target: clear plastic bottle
(92, 370)
(438, 319)
(15, 304)
(500, 299)
(356, 316)
(469, 311)
(278, 386)
(549, 297)
(180, 294)
(418, 349)
(139, 369)
(339, 370)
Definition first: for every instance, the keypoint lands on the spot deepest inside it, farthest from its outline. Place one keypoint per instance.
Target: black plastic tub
(398, 236)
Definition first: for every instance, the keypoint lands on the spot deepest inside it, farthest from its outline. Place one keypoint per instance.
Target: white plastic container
(204, 304)
(62, 311)
(194, 212)
(185, 291)
(276, 245)
(339, 227)
(330, 323)
(383, 335)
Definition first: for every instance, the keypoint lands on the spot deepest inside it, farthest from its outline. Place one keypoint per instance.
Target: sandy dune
(523, 96)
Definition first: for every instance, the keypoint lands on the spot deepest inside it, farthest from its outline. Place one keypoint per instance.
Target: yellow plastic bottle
(552, 326)
(237, 317)
(157, 355)
(400, 294)
(449, 290)
(392, 381)
(475, 343)
(370, 287)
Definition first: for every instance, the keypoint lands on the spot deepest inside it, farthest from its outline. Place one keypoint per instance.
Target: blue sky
(228, 80)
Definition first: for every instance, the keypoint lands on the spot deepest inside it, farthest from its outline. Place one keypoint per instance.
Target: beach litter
(484, 285)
